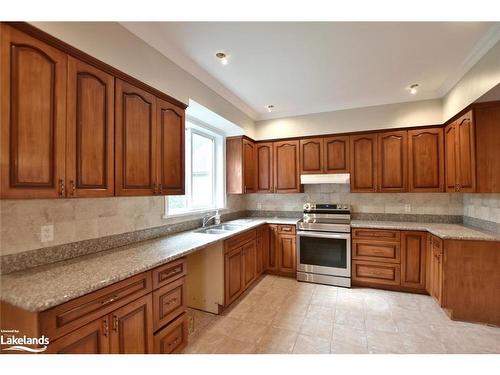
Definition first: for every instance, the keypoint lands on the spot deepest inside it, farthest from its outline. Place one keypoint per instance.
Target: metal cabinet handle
(73, 187)
(115, 323)
(109, 300)
(160, 189)
(169, 302)
(61, 188)
(105, 326)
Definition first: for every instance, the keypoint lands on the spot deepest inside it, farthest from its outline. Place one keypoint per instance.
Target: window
(204, 172)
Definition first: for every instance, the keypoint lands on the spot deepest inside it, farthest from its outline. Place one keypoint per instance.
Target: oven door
(324, 253)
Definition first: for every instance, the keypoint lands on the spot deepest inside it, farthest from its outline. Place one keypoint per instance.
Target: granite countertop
(444, 231)
(43, 287)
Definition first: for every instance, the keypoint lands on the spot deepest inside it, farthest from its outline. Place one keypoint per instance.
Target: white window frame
(195, 126)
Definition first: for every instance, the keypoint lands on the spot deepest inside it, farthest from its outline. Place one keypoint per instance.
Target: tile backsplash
(83, 219)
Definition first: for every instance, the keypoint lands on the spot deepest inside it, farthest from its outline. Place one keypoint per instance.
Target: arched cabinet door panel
(135, 141)
(311, 156)
(363, 149)
(336, 154)
(171, 133)
(393, 161)
(286, 167)
(90, 131)
(33, 110)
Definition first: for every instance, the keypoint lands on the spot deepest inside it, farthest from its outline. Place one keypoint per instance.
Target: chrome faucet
(207, 218)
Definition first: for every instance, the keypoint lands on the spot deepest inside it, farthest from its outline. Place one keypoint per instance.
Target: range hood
(333, 178)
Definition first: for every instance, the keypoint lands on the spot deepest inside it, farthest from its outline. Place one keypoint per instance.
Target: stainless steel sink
(219, 229)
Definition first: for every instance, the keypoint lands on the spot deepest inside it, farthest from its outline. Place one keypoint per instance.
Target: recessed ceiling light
(414, 88)
(222, 57)
(270, 108)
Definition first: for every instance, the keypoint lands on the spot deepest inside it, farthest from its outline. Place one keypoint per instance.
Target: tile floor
(281, 315)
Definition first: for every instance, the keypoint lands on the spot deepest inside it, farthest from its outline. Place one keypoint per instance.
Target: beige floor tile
(250, 332)
(290, 322)
(323, 300)
(380, 323)
(260, 315)
(320, 313)
(380, 342)
(311, 345)
(277, 340)
(348, 340)
(352, 319)
(224, 326)
(294, 309)
(317, 328)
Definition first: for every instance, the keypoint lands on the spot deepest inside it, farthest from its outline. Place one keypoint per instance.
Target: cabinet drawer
(169, 272)
(173, 338)
(239, 240)
(376, 234)
(376, 251)
(71, 315)
(286, 229)
(168, 302)
(376, 273)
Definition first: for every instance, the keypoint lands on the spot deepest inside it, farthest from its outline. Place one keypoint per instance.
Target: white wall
(425, 112)
(115, 45)
(481, 78)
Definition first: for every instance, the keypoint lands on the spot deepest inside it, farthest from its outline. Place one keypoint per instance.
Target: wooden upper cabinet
(286, 167)
(33, 116)
(336, 154)
(466, 162)
(311, 156)
(363, 162)
(249, 170)
(460, 155)
(450, 143)
(487, 141)
(264, 164)
(393, 161)
(90, 131)
(426, 160)
(171, 133)
(241, 165)
(135, 141)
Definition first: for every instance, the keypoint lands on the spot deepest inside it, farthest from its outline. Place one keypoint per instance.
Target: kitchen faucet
(207, 218)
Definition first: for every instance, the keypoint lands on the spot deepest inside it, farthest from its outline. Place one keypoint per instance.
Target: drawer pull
(105, 326)
(115, 323)
(175, 342)
(169, 302)
(170, 273)
(109, 300)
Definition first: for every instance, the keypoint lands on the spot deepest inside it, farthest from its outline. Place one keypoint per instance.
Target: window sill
(193, 212)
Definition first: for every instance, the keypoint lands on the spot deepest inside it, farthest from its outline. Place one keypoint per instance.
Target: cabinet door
(264, 172)
(260, 251)
(426, 160)
(92, 338)
(132, 327)
(451, 160)
(413, 249)
(249, 173)
(466, 161)
(311, 156)
(336, 154)
(135, 141)
(393, 161)
(286, 167)
(171, 130)
(436, 269)
(272, 253)
(286, 253)
(233, 275)
(90, 131)
(250, 262)
(33, 117)
(363, 149)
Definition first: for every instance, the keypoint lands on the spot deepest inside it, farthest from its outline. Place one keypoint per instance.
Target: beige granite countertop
(444, 231)
(41, 288)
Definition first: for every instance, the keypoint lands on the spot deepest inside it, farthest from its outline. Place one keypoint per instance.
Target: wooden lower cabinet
(436, 269)
(249, 262)
(272, 253)
(376, 273)
(233, 275)
(131, 328)
(168, 302)
(173, 338)
(92, 338)
(287, 254)
(413, 252)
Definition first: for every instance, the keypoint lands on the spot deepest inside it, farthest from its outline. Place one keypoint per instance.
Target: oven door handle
(345, 236)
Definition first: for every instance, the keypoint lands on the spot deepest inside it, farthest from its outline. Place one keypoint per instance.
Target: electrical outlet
(47, 233)
(259, 206)
(407, 207)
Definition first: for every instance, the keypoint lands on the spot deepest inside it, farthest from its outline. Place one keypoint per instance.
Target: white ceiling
(307, 67)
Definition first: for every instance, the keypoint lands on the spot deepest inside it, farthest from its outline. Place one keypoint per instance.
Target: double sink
(219, 229)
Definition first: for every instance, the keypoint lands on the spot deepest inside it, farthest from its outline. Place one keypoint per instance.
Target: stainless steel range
(324, 244)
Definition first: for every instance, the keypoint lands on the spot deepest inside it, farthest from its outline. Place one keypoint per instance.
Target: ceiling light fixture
(414, 88)
(270, 108)
(222, 57)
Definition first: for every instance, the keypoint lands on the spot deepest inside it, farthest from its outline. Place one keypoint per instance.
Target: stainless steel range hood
(334, 178)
